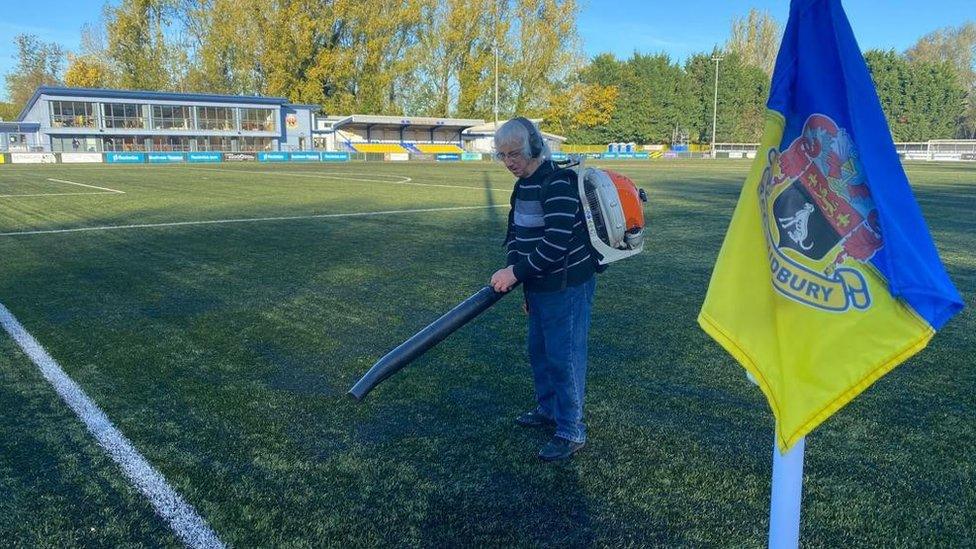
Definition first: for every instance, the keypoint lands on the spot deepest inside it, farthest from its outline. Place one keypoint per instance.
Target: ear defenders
(535, 138)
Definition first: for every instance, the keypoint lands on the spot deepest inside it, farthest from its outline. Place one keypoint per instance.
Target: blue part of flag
(820, 70)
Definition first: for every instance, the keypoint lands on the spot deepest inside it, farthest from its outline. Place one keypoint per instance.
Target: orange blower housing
(613, 207)
(630, 200)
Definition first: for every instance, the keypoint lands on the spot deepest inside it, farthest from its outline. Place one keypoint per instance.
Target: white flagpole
(784, 502)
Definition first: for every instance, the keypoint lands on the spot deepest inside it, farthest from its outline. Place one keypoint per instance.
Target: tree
(86, 71)
(956, 46)
(755, 39)
(455, 57)
(138, 45)
(543, 53)
(580, 110)
(742, 92)
(8, 111)
(38, 64)
(921, 100)
(225, 42)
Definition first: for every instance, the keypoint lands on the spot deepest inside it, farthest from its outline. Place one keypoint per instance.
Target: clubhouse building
(82, 120)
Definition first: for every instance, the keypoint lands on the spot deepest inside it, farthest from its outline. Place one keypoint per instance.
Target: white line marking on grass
(248, 220)
(180, 515)
(84, 185)
(404, 180)
(51, 194)
(104, 190)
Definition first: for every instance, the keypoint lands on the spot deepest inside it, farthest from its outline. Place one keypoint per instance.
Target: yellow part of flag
(813, 325)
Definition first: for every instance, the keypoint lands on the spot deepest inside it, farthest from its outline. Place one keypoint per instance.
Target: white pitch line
(53, 194)
(248, 220)
(84, 185)
(181, 516)
(405, 180)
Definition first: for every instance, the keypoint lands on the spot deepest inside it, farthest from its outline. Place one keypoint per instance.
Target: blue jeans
(559, 323)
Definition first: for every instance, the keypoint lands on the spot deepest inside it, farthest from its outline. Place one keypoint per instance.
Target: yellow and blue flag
(828, 277)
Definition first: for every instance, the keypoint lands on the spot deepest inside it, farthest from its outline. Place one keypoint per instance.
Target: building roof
(488, 129)
(155, 95)
(19, 127)
(424, 121)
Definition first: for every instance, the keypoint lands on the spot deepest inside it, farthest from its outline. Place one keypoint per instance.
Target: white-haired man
(548, 253)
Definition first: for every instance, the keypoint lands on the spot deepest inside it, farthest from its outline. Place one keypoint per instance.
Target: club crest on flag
(820, 223)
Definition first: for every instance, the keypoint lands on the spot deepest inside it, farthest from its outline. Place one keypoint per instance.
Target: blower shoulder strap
(568, 170)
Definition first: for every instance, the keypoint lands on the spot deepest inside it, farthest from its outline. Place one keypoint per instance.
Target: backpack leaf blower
(612, 207)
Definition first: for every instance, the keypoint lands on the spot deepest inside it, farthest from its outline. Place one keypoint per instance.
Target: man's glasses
(512, 155)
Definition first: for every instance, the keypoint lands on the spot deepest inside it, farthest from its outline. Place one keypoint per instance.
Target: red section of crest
(834, 208)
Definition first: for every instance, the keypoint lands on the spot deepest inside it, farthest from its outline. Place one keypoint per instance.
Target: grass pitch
(218, 315)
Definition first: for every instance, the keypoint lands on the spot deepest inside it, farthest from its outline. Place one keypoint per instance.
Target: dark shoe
(533, 419)
(559, 449)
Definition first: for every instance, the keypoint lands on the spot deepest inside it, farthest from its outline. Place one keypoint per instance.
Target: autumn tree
(580, 110)
(543, 53)
(455, 57)
(86, 72)
(38, 64)
(89, 67)
(755, 39)
(138, 46)
(8, 111)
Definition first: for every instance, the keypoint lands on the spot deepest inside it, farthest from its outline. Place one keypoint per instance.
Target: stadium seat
(430, 148)
(379, 148)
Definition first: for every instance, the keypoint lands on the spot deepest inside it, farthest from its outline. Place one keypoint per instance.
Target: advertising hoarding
(204, 157)
(304, 157)
(33, 158)
(272, 157)
(166, 158)
(81, 158)
(125, 157)
(335, 157)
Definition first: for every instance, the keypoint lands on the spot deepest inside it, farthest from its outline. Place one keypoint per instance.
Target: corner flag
(828, 277)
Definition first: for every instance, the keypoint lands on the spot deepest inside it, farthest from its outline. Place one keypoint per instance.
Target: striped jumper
(546, 238)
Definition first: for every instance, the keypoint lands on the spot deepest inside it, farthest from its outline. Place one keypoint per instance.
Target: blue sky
(618, 26)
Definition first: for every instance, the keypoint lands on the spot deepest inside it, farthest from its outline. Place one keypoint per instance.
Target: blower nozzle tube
(421, 342)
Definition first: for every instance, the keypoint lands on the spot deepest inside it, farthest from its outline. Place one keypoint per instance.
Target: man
(548, 253)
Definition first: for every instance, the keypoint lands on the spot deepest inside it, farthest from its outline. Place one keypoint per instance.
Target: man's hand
(503, 280)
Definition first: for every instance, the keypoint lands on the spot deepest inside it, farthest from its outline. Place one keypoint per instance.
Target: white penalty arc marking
(248, 220)
(181, 516)
(404, 180)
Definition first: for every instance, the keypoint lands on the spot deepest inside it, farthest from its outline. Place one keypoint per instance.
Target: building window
(71, 143)
(257, 144)
(123, 115)
(172, 117)
(72, 114)
(215, 118)
(124, 143)
(218, 144)
(258, 120)
(170, 143)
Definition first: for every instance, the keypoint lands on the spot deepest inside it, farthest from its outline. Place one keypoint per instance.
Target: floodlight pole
(715, 58)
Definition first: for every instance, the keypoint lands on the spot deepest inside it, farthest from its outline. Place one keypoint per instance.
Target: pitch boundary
(181, 516)
(246, 220)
